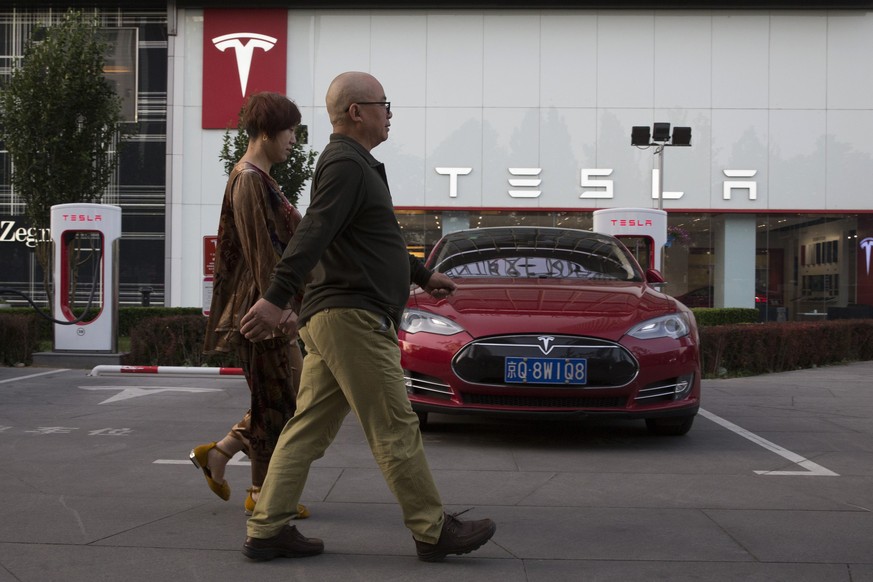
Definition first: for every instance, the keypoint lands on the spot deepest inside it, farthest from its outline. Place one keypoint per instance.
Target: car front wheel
(422, 420)
(670, 426)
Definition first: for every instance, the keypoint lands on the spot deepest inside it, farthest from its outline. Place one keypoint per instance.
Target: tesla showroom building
(506, 114)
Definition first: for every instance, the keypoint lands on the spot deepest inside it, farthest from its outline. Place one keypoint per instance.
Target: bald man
(350, 242)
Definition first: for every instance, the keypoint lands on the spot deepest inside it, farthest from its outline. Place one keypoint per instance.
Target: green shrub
(707, 316)
(130, 317)
(18, 338)
(750, 349)
(175, 340)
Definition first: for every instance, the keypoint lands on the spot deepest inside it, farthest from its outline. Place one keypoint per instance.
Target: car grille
(544, 402)
(610, 365)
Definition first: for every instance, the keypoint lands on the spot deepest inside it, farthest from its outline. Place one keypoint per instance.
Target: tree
(60, 120)
(291, 175)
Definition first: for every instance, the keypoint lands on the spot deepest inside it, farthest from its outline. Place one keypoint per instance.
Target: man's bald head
(348, 88)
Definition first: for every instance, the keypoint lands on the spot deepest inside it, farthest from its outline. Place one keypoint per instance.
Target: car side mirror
(654, 277)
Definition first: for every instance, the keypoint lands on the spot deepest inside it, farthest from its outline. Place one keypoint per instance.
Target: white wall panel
(849, 159)
(189, 190)
(632, 166)
(687, 169)
(798, 60)
(739, 141)
(740, 60)
(342, 43)
(399, 47)
(193, 47)
(797, 160)
(625, 59)
(454, 139)
(511, 60)
(454, 60)
(566, 147)
(683, 60)
(511, 139)
(301, 58)
(568, 59)
(849, 50)
(404, 156)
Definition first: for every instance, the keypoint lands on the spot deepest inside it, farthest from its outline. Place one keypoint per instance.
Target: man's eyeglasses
(385, 104)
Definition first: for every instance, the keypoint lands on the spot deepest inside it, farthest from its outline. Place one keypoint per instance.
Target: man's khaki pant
(352, 363)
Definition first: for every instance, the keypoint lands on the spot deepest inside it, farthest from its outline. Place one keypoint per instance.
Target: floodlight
(640, 135)
(681, 136)
(661, 132)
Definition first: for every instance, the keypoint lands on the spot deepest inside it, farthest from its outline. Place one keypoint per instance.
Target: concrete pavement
(774, 482)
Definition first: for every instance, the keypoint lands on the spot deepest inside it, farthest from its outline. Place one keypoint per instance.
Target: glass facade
(139, 187)
(805, 265)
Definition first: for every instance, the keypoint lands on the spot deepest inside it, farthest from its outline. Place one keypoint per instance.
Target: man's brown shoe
(457, 537)
(288, 543)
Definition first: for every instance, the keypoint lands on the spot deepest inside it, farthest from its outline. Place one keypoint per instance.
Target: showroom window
(804, 265)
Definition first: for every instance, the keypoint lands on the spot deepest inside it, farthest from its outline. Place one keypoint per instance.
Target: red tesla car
(549, 321)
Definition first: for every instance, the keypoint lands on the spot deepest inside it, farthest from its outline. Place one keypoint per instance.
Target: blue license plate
(545, 370)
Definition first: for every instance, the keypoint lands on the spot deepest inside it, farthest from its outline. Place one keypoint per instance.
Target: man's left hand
(440, 285)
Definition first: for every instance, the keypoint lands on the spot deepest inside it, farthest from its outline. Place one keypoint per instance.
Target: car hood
(490, 306)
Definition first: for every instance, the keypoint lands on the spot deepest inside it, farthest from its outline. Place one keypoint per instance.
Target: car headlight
(416, 320)
(674, 325)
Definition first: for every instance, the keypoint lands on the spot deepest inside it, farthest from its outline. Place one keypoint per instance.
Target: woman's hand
(287, 323)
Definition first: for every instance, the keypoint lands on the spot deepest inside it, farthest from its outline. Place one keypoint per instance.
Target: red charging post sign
(210, 245)
(244, 52)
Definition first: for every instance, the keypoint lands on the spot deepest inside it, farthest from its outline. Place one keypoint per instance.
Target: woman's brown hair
(269, 113)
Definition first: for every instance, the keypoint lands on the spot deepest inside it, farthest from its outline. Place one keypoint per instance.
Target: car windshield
(534, 253)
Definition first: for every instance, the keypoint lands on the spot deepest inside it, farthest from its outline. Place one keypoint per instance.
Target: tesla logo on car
(867, 245)
(244, 50)
(546, 344)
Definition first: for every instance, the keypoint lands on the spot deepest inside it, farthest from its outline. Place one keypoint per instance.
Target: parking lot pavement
(774, 482)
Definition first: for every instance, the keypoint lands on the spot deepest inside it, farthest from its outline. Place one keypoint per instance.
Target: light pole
(659, 136)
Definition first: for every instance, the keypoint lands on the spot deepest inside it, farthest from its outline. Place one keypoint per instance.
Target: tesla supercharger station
(95, 229)
(648, 224)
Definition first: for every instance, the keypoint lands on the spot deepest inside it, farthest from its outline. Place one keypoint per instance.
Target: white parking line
(812, 469)
(128, 392)
(238, 459)
(33, 375)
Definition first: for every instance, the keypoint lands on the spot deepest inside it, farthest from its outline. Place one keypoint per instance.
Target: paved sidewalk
(774, 482)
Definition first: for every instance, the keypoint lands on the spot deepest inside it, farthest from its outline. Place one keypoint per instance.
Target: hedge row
(128, 317)
(750, 349)
(173, 337)
(22, 329)
(175, 340)
(708, 316)
(19, 337)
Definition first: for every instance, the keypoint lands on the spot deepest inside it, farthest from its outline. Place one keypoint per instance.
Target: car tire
(677, 426)
(422, 420)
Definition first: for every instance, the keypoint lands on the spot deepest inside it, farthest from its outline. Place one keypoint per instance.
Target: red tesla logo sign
(244, 52)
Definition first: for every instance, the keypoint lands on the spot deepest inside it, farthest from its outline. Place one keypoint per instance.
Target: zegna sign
(31, 236)
(525, 183)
